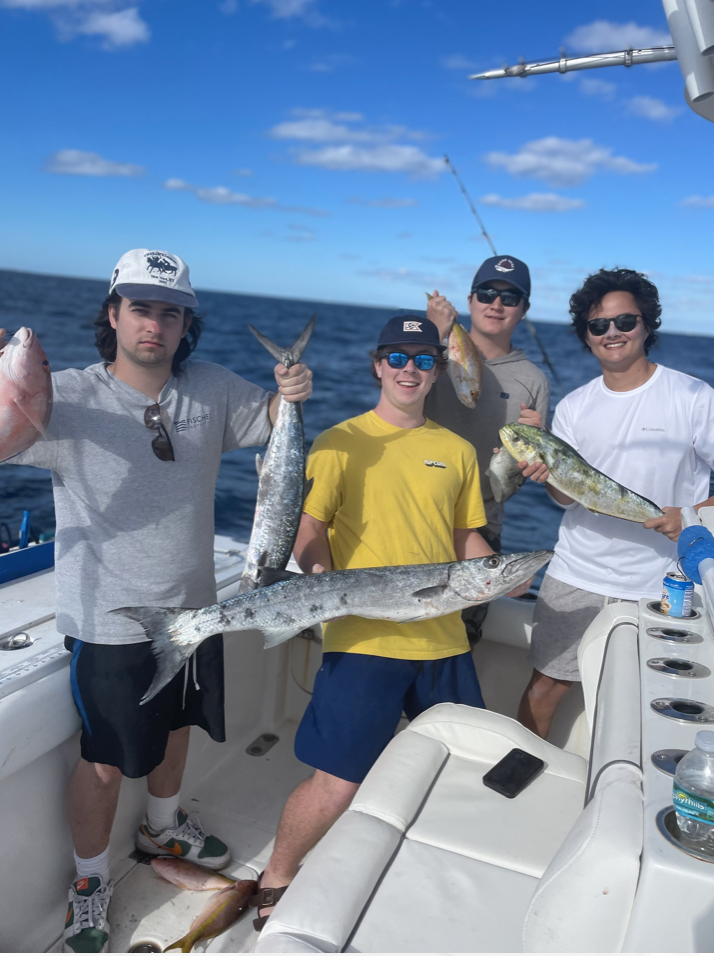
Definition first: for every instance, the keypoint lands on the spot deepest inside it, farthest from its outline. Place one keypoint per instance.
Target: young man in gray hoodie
(512, 388)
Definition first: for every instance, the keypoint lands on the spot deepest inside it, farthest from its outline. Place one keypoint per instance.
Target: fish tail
(290, 356)
(185, 944)
(170, 654)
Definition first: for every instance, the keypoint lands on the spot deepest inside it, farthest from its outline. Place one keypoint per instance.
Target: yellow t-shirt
(393, 496)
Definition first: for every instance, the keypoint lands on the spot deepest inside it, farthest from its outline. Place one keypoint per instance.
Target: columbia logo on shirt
(185, 423)
(646, 428)
(434, 464)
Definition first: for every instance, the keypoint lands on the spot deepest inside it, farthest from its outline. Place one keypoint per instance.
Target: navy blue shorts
(358, 701)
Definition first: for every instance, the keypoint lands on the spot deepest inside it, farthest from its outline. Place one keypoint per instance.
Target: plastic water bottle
(693, 795)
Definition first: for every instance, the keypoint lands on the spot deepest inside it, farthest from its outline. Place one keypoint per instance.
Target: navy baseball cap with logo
(507, 268)
(409, 330)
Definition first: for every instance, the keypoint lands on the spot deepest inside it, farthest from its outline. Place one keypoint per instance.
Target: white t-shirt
(657, 440)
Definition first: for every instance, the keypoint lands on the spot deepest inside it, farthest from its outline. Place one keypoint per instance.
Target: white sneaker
(86, 929)
(185, 840)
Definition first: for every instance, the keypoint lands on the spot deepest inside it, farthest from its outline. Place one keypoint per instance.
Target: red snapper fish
(25, 393)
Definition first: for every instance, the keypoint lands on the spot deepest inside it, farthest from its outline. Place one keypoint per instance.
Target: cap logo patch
(161, 266)
(505, 265)
(114, 279)
(412, 327)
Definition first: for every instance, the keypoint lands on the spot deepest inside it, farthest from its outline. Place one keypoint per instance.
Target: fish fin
(307, 488)
(170, 655)
(258, 464)
(29, 412)
(268, 576)
(278, 635)
(246, 584)
(289, 356)
(433, 592)
(185, 944)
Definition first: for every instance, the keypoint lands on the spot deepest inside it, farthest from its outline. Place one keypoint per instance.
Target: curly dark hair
(378, 354)
(597, 286)
(105, 337)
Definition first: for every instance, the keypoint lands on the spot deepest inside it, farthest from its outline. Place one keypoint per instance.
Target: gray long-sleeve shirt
(131, 529)
(507, 381)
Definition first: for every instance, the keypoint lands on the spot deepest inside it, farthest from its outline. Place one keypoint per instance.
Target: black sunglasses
(161, 445)
(623, 323)
(509, 297)
(424, 361)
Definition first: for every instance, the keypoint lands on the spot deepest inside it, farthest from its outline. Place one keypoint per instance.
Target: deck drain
(261, 745)
(17, 642)
(145, 948)
(674, 635)
(678, 708)
(654, 606)
(667, 760)
(676, 667)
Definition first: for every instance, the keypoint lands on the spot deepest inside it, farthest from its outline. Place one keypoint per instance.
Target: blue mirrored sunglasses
(424, 361)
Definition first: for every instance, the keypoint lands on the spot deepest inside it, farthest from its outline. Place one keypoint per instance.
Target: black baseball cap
(507, 268)
(409, 330)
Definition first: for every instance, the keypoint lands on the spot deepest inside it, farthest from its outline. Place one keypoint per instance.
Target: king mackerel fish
(280, 611)
(281, 488)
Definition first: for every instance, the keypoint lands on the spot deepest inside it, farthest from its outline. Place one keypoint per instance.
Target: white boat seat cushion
(427, 858)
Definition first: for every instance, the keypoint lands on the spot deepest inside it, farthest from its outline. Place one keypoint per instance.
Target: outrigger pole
(529, 325)
(567, 64)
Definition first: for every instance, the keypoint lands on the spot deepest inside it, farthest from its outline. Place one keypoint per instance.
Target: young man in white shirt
(648, 427)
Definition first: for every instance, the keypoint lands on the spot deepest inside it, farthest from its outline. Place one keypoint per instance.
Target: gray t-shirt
(131, 529)
(507, 381)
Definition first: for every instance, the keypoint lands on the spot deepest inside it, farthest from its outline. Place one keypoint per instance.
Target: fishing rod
(529, 324)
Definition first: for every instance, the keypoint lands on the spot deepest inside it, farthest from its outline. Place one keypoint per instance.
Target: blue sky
(295, 147)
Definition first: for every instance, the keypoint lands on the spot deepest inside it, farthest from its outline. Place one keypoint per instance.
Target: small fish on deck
(189, 876)
(222, 911)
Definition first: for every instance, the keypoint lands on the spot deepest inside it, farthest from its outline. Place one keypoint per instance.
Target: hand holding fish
(536, 472)
(529, 416)
(442, 313)
(669, 524)
(294, 383)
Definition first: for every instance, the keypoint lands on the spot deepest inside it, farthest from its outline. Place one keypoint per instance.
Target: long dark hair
(105, 337)
(597, 286)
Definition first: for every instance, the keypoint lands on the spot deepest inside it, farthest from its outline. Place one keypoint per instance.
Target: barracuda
(281, 488)
(571, 474)
(401, 594)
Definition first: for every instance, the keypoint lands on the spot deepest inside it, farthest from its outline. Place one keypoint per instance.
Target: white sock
(161, 811)
(93, 866)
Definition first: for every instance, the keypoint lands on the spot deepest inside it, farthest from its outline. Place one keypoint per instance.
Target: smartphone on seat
(513, 774)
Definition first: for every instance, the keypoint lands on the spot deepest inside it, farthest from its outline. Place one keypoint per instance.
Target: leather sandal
(266, 896)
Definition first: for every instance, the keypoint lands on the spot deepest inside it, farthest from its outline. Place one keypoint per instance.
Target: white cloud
(534, 202)
(223, 196)
(117, 24)
(288, 9)
(564, 162)
(377, 159)
(75, 162)
(387, 202)
(652, 108)
(603, 36)
(459, 62)
(323, 126)
(698, 202)
(596, 87)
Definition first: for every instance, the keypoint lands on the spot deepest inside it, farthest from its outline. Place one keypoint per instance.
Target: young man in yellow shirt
(389, 488)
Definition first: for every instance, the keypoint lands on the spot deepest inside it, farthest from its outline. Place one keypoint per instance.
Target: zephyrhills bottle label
(692, 805)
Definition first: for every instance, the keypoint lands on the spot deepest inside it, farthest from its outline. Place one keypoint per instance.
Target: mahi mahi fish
(221, 911)
(281, 488)
(571, 474)
(464, 365)
(25, 393)
(280, 611)
(504, 476)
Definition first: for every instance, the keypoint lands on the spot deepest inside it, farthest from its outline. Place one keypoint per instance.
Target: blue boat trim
(18, 564)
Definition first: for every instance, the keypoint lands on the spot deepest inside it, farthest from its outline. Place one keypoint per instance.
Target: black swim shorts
(109, 680)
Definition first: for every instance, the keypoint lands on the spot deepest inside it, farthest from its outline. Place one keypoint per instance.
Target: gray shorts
(562, 615)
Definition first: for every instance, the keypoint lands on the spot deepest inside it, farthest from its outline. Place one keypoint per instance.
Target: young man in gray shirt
(134, 445)
(512, 389)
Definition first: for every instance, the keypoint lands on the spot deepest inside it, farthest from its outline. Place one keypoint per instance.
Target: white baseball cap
(155, 275)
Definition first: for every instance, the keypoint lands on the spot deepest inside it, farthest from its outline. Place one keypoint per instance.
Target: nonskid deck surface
(240, 800)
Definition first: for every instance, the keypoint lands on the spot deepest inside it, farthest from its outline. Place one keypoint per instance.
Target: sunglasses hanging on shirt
(623, 323)
(161, 444)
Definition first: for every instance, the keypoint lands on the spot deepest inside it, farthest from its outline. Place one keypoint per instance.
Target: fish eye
(45, 364)
(493, 561)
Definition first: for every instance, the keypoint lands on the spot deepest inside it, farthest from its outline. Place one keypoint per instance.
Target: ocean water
(61, 312)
